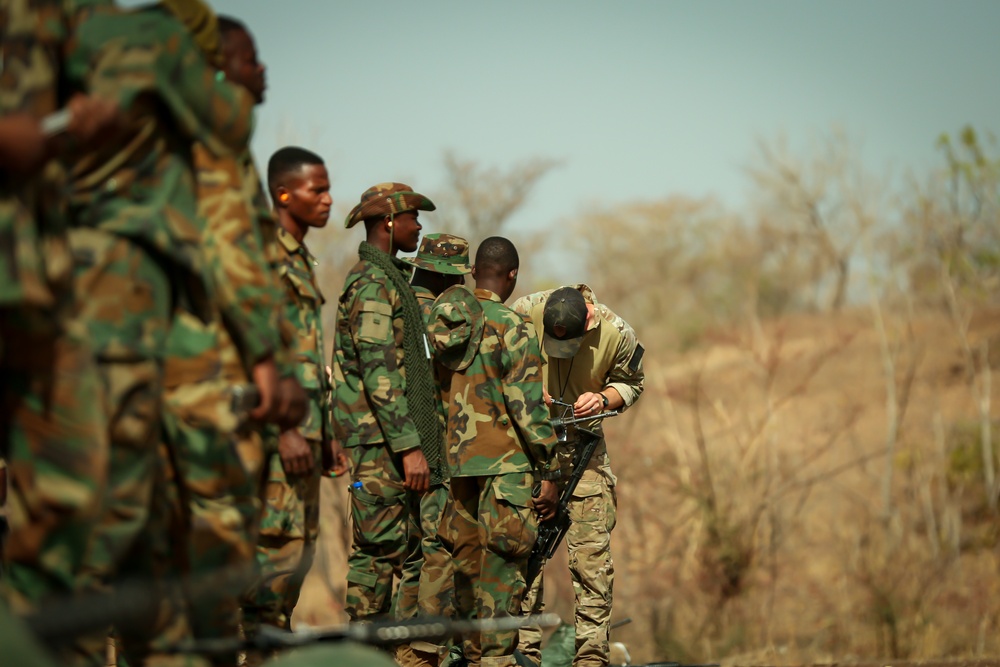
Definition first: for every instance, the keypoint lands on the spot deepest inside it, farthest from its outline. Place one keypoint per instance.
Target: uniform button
(504, 420)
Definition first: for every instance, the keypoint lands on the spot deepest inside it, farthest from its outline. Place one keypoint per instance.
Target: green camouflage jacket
(142, 184)
(303, 306)
(369, 375)
(245, 327)
(491, 380)
(34, 252)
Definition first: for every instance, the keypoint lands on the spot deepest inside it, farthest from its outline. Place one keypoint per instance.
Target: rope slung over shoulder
(419, 391)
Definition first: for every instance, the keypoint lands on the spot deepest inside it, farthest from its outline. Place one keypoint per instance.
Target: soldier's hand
(92, 119)
(265, 376)
(296, 456)
(546, 396)
(546, 501)
(23, 147)
(589, 403)
(335, 459)
(293, 403)
(417, 474)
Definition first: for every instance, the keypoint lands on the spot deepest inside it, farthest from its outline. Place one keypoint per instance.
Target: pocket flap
(514, 488)
(375, 322)
(588, 487)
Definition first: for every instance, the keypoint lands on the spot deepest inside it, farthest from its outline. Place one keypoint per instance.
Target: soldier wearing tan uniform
(594, 361)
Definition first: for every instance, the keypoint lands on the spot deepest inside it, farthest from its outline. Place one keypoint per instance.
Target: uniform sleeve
(626, 375)
(246, 290)
(371, 325)
(137, 54)
(522, 388)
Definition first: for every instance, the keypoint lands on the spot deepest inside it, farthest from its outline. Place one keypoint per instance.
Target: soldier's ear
(282, 196)
(473, 271)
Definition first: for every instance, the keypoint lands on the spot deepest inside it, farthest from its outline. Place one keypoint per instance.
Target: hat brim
(456, 328)
(561, 349)
(412, 201)
(447, 269)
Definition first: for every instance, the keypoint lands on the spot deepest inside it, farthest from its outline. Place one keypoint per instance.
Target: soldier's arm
(522, 387)
(371, 324)
(247, 293)
(626, 376)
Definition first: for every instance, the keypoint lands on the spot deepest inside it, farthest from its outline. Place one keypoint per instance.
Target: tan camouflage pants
(593, 513)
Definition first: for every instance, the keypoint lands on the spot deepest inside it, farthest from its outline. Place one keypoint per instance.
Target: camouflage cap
(442, 253)
(455, 327)
(565, 308)
(387, 199)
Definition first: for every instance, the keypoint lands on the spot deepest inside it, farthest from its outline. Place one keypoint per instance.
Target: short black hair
(288, 160)
(496, 254)
(228, 25)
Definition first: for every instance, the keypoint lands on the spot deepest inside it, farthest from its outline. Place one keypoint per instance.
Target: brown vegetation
(811, 475)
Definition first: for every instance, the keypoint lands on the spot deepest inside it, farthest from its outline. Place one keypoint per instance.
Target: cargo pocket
(514, 526)
(590, 504)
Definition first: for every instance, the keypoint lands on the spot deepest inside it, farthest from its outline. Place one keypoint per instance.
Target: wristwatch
(604, 397)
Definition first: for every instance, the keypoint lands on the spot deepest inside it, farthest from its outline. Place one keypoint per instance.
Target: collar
(486, 295)
(292, 246)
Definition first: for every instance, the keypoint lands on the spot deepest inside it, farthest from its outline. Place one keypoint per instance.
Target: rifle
(551, 531)
(373, 633)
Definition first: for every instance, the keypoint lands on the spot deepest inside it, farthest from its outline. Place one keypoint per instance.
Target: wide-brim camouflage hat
(387, 199)
(442, 253)
(455, 327)
(567, 309)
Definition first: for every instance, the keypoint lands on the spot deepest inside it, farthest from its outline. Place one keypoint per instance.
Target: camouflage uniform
(290, 524)
(138, 257)
(52, 428)
(449, 255)
(610, 356)
(372, 413)
(218, 455)
(498, 436)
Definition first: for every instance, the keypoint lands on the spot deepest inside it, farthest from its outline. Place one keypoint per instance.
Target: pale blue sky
(639, 99)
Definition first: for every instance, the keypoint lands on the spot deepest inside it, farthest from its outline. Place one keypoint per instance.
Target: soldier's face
(406, 231)
(310, 201)
(240, 64)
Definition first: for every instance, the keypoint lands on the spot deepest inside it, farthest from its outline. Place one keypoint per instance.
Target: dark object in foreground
(373, 633)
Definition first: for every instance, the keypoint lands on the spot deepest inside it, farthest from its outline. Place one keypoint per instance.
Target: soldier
(219, 453)
(441, 261)
(300, 188)
(52, 429)
(385, 404)
(498, 441)
(593, 360)
(138, 258)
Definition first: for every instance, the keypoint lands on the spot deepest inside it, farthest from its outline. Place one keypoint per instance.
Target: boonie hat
(564, 308)
(442, 253)
(387, 199)
(456, 327)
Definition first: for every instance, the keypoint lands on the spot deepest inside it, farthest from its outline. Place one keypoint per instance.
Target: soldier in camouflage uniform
(52, 428)
(136, 242)
(441, 261)
(385, 403)
(300, 188)
(219, 452)
(499, 442)
(594, 361)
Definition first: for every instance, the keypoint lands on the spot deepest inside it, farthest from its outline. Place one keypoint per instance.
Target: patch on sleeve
(636, 360)
(375, 324)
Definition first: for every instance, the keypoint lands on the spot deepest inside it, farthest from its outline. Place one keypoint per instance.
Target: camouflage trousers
(53, 434)
(427, 586)
(383, 515)
(289, 527)
(494, 529)
(592, 514)
(217, 466)
(126, 304)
